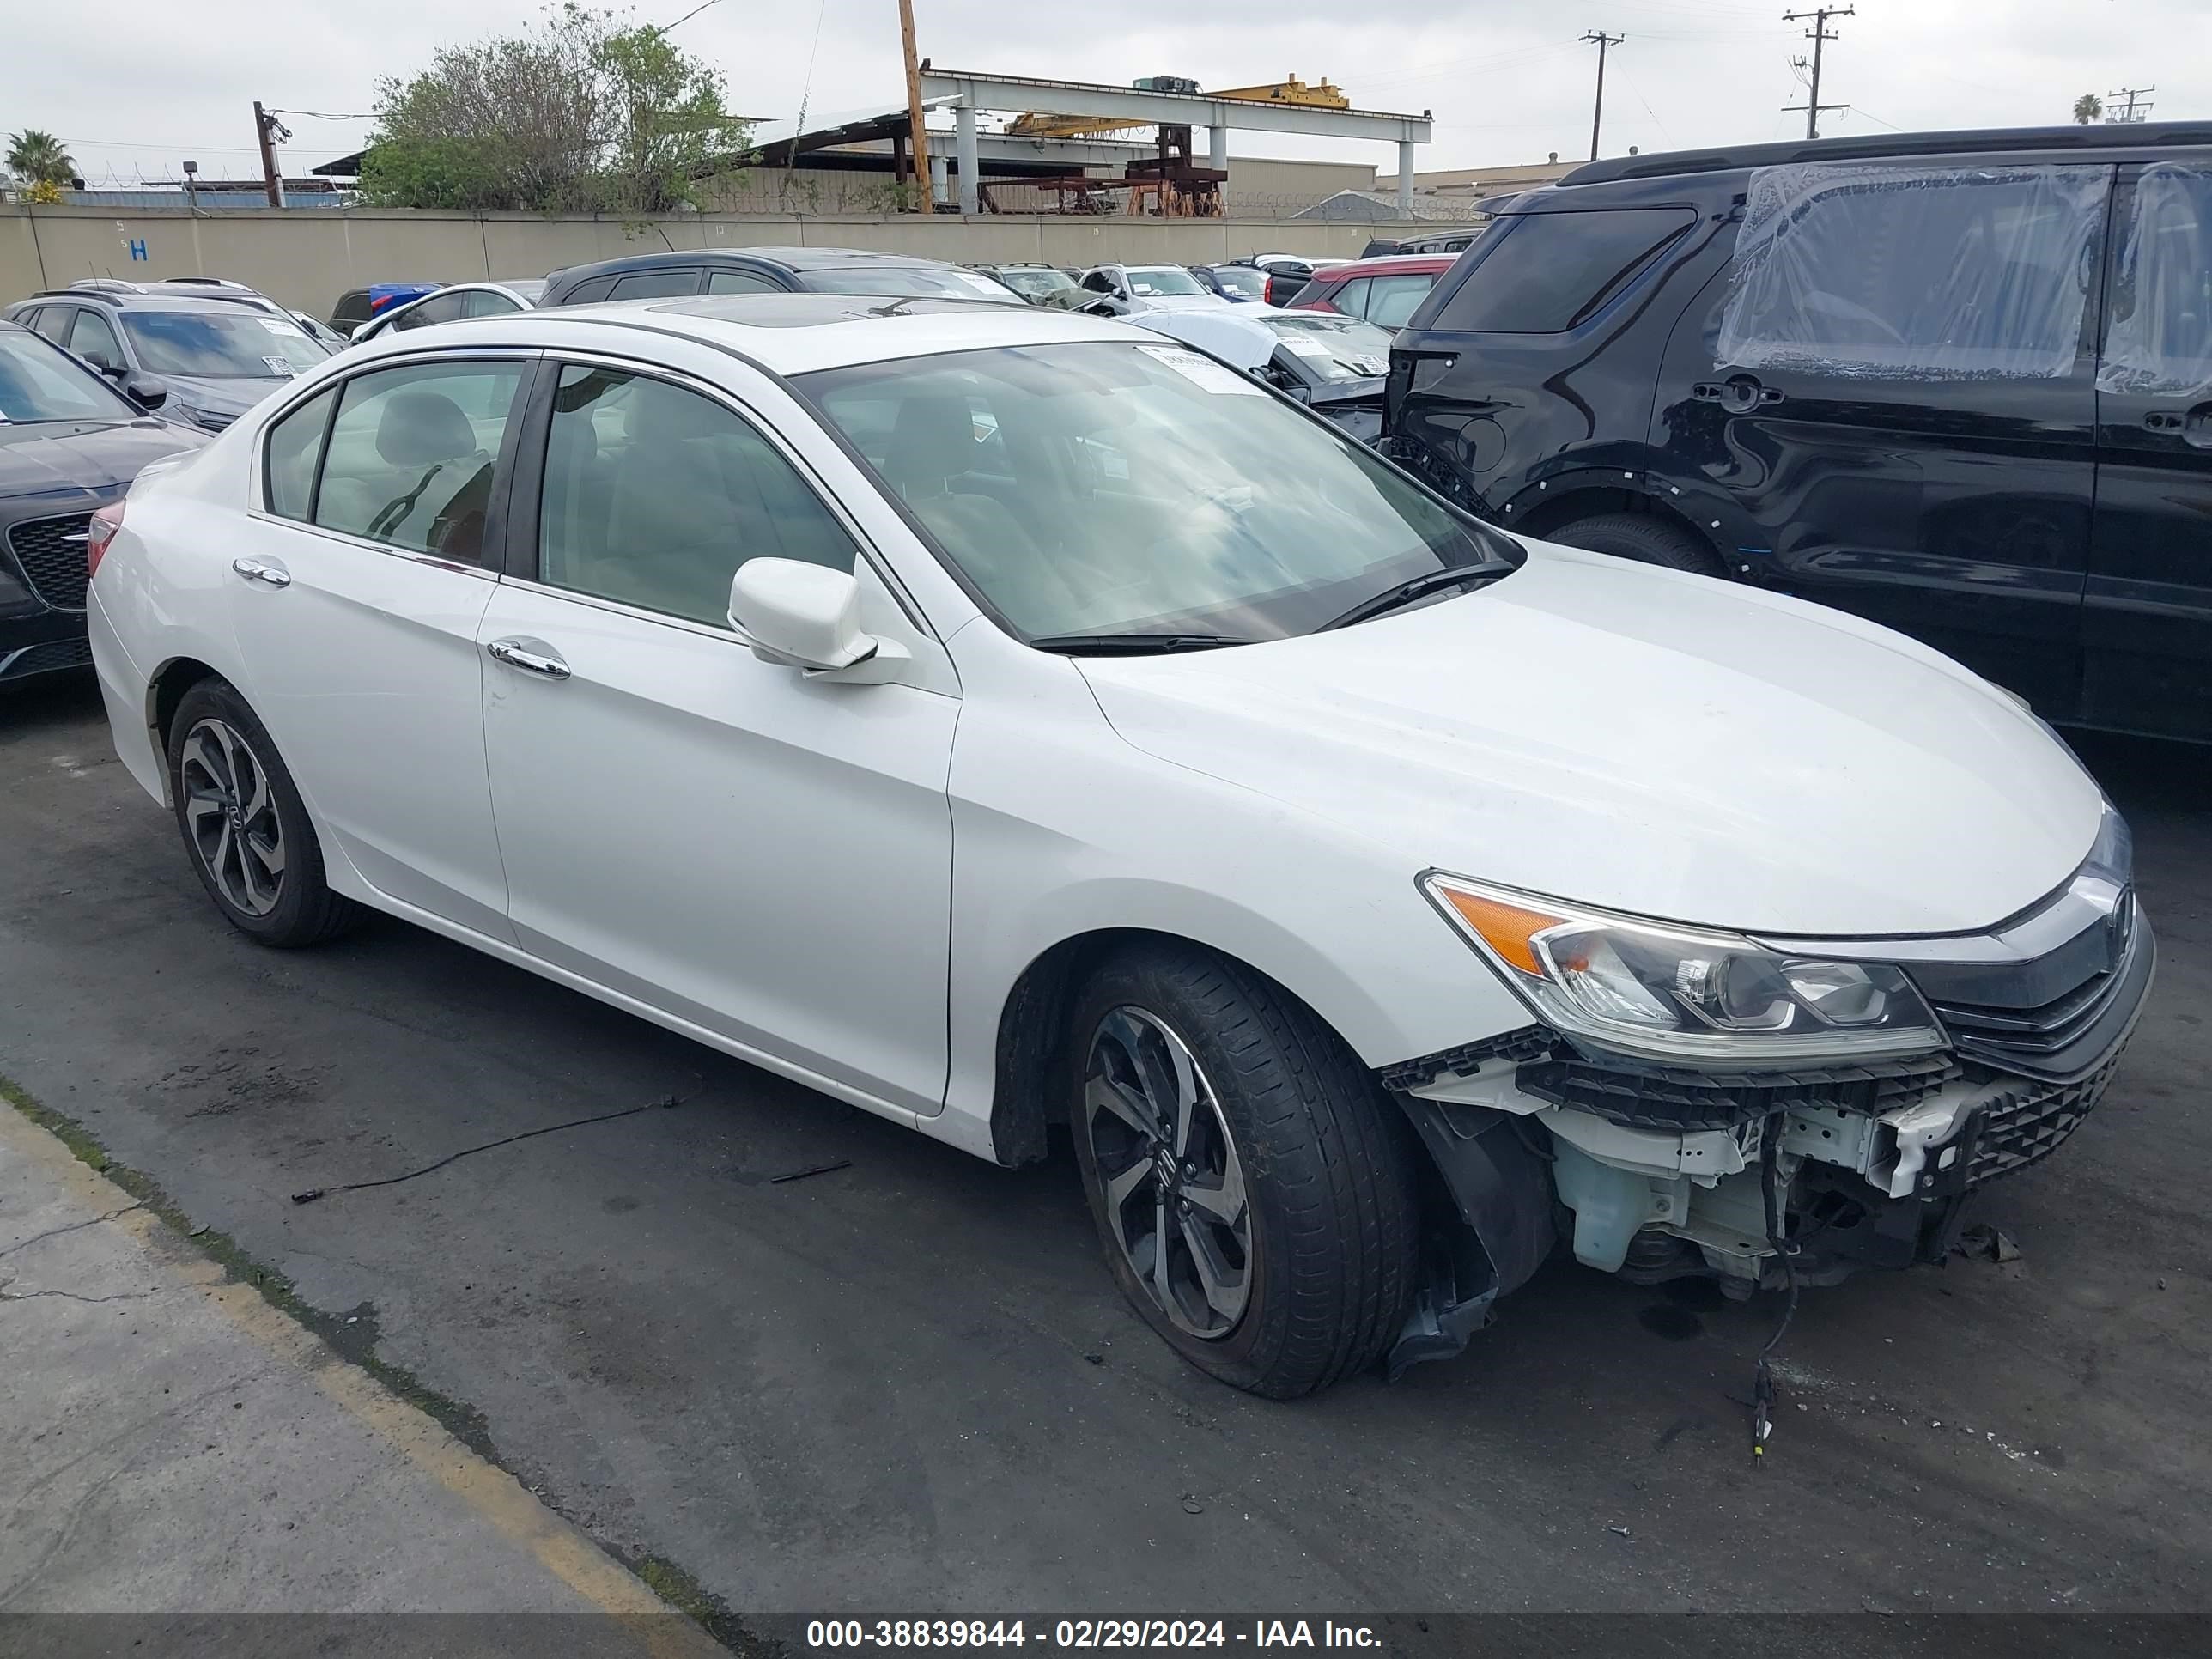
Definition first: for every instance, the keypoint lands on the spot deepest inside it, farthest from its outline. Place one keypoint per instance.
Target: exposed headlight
(1683, 993)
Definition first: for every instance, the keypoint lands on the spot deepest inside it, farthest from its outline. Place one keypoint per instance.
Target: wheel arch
(1540, 514)
(165, 691)
(1032, 1030)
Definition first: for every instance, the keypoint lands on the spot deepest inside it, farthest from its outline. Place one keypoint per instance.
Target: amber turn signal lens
(1505, 928)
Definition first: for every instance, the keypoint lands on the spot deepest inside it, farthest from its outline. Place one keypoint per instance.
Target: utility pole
(1819, 35)
(2127, 111)
(1601, 39)
(270, 130)
(917, 140)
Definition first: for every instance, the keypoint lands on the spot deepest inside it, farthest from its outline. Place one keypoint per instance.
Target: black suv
(769, 271)
(1957, 383)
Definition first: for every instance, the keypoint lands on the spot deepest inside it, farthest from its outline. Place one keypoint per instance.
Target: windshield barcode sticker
(1203, 372)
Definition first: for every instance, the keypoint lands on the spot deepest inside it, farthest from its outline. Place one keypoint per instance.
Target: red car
(1382, 291)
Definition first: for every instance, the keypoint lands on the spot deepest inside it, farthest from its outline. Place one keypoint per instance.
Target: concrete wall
(307, 259)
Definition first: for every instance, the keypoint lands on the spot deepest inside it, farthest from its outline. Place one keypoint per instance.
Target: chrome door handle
(533, 656)
(268, 575)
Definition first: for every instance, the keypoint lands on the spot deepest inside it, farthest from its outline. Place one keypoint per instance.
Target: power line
(320, 115)
(1600, 39)
(1819, 35)
(2127, 113)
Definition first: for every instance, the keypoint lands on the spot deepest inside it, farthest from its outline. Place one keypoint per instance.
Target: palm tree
(38, 158)
(2087, 108)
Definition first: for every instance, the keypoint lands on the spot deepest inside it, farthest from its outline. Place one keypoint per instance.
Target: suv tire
(245, 827)
(1281, 1173)
(1641, 537)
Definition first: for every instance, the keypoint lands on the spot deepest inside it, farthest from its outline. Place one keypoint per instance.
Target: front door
(763, 856)
(2148, 622)
(355, 596)
(1893, 388)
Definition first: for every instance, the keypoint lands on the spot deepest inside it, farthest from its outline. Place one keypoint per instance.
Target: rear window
(1545, 272)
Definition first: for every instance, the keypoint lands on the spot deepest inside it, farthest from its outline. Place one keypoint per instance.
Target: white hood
(1643, 741)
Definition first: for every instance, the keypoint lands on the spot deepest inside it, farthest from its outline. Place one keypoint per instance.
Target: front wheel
(1254, 1187)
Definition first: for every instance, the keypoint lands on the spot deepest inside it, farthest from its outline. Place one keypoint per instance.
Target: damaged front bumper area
(1655, 1172)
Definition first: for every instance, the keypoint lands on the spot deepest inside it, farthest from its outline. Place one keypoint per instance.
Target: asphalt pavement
(906, 1385)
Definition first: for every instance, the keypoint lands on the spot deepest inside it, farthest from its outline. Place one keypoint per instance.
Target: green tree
(2088, 108)
(581, 113)
(38, 158)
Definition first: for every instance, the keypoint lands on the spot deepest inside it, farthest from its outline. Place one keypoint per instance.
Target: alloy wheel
(1174, 1188)
(230, 816)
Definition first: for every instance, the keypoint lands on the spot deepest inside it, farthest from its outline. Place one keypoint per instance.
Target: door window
(1546, 272)
(486, 302)
(739, 281)
(294, 447)
(1910, 272)
(54, 322)
(1349, 298)
(439, 308)
(93, 338)
(2158, 336)
(656, 284)
(654, 495)
(1393, 299)
(413, 452)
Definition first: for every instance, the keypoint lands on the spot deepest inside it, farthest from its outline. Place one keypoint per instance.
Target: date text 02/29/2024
(1085, 1633)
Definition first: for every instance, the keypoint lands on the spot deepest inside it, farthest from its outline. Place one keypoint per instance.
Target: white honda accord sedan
(1007, 720)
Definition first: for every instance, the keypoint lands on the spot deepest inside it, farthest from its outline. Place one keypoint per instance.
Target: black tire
(1329, 1175)
(300, 907)
(1646, 539)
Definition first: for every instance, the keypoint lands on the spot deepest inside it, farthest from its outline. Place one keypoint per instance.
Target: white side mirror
(808, 615)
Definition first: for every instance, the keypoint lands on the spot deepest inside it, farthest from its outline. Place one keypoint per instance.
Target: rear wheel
(1253, 1186)
(1641, 537)
(243, 825)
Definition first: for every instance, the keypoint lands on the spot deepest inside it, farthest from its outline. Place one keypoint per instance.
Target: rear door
(355, 595)
(1888, 403)
(2147, 620)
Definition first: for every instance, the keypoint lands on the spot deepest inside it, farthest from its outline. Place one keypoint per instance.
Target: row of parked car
(137, 370)
(1961, 387)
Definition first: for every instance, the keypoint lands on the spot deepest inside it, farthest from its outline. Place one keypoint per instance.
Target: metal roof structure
(971, 93)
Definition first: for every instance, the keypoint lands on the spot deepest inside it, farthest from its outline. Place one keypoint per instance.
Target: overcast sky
(135, 87)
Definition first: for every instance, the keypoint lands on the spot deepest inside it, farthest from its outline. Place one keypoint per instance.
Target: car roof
(98, 296)
(1388, 265)
(2046, 143)
(790, 258)
(784, 333)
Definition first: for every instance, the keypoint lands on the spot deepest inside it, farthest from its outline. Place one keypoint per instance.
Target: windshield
(1242, 279)
(1334, 347)
(1037, 284)
(243, 345)
(1150, 280)
(40, 382)
(1106, 488)
(925, 282)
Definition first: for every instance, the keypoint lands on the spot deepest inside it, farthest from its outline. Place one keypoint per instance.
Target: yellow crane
(1288, 90)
